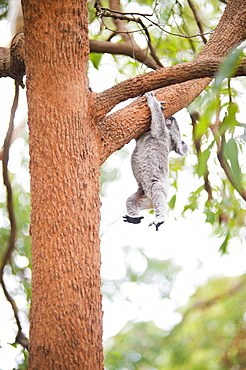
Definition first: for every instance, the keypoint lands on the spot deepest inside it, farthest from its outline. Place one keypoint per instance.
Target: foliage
(3, 8)
(211, 334)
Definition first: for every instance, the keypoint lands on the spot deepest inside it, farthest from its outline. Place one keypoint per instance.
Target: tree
(71, 135)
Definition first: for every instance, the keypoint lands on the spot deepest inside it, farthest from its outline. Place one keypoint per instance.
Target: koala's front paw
(163, 105)
(132, 220)
(157, 224)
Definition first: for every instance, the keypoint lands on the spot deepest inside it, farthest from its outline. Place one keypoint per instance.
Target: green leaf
(228, 67)
(95, 59)
(202, 160)
(229, 122)
(205, 120)
(231, 153)
(172, 202)
(223, 247)
(193, 200)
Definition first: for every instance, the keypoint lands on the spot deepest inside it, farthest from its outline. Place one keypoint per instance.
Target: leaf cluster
(210, 335)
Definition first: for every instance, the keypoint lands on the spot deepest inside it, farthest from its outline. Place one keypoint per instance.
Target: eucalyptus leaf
(231, 153)
(202, 160)
(223, 247)
(227, 68)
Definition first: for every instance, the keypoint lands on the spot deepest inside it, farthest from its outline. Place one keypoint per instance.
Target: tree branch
(122, 49)
(162, 77)
(197, 143)
(12, 61)
(198, 20)
(118, 18)
(20, 338)
(223, 162)
(120, 127)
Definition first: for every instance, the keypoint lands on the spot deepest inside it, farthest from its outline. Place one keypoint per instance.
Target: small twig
(229, 90)
(20, 338)
(99, 8)
(151, 48)
(198, 20)
(220, 141)
(118, 15)
(197, 142)
(105, 12)
(224, 164)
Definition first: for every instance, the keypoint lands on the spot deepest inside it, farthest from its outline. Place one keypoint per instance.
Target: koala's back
(150, 160)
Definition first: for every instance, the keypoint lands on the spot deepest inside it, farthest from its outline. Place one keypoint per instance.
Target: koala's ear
(182, 149)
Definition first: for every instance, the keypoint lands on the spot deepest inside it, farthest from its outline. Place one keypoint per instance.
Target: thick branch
(128, 123)
(162, 77)
(122, 49)
(12, 61)
(120, 127)
(233, 23)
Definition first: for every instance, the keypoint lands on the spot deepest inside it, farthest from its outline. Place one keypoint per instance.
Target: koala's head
(177, 144)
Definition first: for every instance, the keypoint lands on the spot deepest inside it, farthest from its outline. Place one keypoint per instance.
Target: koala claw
(132, 220)
(163, 105)
(157, 224)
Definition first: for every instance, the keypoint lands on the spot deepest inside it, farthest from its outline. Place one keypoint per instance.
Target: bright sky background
(187, 241)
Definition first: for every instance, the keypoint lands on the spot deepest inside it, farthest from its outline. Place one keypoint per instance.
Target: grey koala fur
(150, 164)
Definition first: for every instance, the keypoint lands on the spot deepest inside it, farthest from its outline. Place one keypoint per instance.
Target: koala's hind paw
(157, 224)
(132, 220)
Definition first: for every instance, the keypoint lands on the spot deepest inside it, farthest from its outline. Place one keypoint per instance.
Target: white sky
(187, 241)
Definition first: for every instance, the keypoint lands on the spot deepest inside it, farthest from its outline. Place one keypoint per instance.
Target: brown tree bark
(66, 314)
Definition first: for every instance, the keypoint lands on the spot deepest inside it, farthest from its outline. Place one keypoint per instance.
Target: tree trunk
(69, 138)
(66, 314)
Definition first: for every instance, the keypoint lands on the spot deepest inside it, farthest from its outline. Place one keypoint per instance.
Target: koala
(150, 164)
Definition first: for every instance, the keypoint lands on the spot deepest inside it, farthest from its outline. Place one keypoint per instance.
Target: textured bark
(12, 60)
(120, 127)
(66, 315)
(176, 74)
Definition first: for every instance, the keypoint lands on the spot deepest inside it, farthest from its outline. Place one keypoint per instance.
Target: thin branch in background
(224, 164)
(220, 141)
(20, 337)
(198, 20)
(229, 90)
(150, 46)
(118, 15)
(183, 28)
(197, 142)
